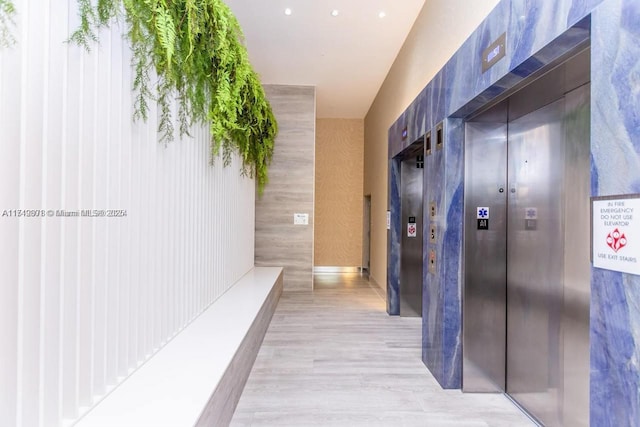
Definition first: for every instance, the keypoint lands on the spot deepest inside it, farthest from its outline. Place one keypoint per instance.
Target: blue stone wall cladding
(615, 151)
(395, 237)
(537, 33)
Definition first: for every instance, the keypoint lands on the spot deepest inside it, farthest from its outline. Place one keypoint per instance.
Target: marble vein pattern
(393, 269)
(333, 357)
(615, 154)
(538, 33)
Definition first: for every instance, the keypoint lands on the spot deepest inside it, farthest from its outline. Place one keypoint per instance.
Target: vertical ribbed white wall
(84, 301)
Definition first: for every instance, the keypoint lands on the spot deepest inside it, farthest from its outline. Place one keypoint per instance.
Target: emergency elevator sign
(412, 229)
(615, 233)
(482, 215)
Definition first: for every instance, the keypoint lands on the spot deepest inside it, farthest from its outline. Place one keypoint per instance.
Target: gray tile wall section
(280, 243)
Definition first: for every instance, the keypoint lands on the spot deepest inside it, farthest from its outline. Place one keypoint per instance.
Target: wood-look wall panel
(290, 190)
(339, 199)
(85, 300)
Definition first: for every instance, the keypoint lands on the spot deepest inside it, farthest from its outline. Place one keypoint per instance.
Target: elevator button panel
(432, 210)
(432, 233)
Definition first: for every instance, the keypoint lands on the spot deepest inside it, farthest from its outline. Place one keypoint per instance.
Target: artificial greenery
(7, 10)
(195, 51)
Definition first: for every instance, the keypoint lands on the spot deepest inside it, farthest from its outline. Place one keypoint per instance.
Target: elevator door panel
(411, 244)
(485, 253)
(535, 260)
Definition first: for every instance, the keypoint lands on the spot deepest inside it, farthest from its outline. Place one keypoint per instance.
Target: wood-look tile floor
(333, 357)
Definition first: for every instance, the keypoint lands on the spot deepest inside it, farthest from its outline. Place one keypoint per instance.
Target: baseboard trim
(320, 270)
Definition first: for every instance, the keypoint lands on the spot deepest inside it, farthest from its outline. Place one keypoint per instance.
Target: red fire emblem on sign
(616, 240)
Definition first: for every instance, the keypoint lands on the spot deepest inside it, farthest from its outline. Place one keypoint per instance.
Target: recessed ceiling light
(381, 15)
(288, 11)
(335, 12)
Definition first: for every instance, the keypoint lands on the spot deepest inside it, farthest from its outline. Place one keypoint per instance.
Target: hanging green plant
(7, 11)
(196, 50)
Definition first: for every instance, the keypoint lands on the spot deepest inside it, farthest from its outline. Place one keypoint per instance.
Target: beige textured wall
(279, 242)
(339, 201)
(439, 30)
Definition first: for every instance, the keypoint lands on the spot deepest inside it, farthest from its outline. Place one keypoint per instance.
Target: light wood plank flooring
(333, 357)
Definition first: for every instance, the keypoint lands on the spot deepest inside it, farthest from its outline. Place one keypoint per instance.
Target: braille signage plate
(615, 233)
(494, 53)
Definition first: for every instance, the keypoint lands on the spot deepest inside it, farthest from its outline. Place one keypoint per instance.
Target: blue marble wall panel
(615, 154)
(441, 340)
(395, 236)
(452, 254)
(396, 142)
(538, 32)
(416, 116)
(432, 293)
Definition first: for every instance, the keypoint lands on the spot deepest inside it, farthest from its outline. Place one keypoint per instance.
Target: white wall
(84, 301)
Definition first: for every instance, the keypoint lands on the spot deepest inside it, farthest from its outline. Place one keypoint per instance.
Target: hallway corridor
(333, 357)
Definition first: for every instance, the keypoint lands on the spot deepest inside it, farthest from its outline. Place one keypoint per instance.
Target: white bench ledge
(198, 377)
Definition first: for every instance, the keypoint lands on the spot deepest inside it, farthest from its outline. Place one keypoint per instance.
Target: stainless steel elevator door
(484, 296)
(529, 272)
(411, 245)
(535, 260)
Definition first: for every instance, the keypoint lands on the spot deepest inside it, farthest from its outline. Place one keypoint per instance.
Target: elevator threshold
(524, 411)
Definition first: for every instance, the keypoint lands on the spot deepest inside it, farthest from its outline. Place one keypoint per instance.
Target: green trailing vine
(194, 48)
(7, 11)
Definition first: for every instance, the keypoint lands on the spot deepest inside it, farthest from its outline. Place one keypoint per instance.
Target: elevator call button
(432, 261)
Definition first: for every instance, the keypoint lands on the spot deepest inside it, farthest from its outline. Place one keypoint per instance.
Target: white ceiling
(346, 57)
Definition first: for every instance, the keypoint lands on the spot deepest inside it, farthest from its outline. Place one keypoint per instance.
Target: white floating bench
(198, 377)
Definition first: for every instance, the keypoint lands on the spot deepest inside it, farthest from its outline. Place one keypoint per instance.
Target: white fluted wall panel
(85, 300)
